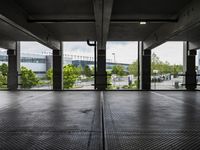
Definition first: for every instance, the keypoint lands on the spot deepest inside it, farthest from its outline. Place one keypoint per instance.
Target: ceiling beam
(188, 19)
(49, 21)
(16, 17)
(7, 44)
(60, 18)
(112, 21)
(194, 45)
(102, 13)
(98, 13)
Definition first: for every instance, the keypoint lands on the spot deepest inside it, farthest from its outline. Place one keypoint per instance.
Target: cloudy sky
(125, 52)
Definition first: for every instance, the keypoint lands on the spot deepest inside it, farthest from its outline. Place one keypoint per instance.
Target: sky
(171, 52)
(125, 52)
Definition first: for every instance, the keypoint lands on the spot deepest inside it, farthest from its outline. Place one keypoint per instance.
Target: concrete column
(57, 70)
(145, 67)
(18, 48)
(190, 73)
(13, 67)
(101, 76)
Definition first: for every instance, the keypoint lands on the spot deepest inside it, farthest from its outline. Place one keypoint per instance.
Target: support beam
(145, 67)
(16, 17)
(101, 76)
(102, 12)
(13, 67)
(193, 45)
(45, 18)
(188, 19)
(113, 21)
(67, 18)
(7, 44)
(57, 69)
(190, 74)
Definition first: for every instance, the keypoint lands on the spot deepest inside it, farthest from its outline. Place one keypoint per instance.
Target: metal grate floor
(150, 140)
(149, 120)
(49, 140)
(88, 121)
(50, 121)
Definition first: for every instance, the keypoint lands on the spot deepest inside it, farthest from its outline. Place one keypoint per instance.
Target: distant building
(109, 65)
(40, 63)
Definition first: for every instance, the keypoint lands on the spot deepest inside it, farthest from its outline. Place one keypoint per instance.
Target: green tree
(133, 68)
(4, 69)
(109, 80)
(118, 70)
(80, 70)
(176, 69)
(92, 69)
(164, 67)
(87, 71)
(49, 74)
(28, 78)
(3, 80)
(3, 75)
(70, 75)
(155, 62)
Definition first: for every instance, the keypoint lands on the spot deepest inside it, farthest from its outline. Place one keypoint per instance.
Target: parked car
(157, 78)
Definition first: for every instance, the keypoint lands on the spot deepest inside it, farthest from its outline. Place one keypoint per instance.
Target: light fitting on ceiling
(143, 22)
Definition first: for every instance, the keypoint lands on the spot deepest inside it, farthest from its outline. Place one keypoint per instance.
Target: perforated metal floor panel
(153, 140)
(49, 140)
(89, 121)
(50, 120)
(152, 120)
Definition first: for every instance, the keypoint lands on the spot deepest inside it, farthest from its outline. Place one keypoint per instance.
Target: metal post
(114, 57)
(138, 84)
(95, 65)
(95, 61)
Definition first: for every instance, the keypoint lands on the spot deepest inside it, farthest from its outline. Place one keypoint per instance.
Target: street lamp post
(113, 56)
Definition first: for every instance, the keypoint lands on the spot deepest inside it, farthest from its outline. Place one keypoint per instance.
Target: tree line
(29, 79)
(163, 67)
(71, 73)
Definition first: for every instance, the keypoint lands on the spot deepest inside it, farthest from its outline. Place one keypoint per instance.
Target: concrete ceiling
(52, 21)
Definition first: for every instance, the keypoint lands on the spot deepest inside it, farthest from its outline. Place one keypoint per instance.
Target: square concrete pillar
(57, 70)
(101, 76)
(13, 67)
(145, 67)
(12, 70)
(190, 67)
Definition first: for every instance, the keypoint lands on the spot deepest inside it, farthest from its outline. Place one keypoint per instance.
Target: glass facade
(33, 60)
(3, 58)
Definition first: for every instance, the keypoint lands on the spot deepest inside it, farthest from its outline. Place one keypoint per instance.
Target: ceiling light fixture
(143, 22)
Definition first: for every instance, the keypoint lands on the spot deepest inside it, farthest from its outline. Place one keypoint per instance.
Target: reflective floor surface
(110, 120)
